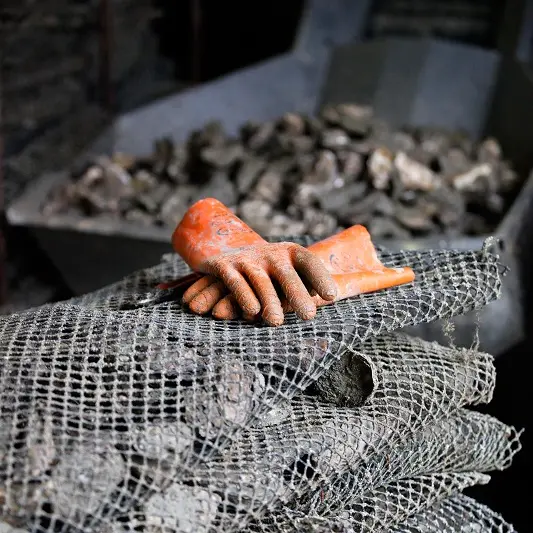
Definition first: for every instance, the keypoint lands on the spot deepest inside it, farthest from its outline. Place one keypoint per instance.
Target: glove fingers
(349, 285)
(316, 273)
(272, 311)
(227, 308)
(205, 301)
(251, 318)
(241, 290)
(296, 292)
(364, 282)
(197, 288)
(317, 302)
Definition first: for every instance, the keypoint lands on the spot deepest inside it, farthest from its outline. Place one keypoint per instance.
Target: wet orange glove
(351, 258)
(212, 240)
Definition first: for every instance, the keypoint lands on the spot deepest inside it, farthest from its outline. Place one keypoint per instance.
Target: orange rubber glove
(351, 258)
(212, 240)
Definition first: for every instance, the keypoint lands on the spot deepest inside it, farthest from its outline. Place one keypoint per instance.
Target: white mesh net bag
(120, 416)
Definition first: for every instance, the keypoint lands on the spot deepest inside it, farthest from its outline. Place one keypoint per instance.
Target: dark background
(205, 40)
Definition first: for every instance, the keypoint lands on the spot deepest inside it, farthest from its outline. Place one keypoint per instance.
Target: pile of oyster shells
(306, 175)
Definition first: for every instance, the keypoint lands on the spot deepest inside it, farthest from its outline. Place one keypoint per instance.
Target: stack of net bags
(119, 416)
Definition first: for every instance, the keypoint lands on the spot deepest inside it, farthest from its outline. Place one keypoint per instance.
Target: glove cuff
(209, 229)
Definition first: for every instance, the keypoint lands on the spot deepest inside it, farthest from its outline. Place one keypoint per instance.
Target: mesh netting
(117, 415)
(457, 513)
